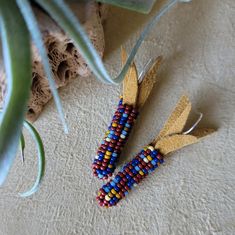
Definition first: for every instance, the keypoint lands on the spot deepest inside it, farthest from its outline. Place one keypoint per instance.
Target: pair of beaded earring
(170, 139)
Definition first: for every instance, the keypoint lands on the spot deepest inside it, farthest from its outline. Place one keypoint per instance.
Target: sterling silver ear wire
(194, 125)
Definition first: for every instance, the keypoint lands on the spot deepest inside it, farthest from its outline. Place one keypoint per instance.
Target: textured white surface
(194, 192)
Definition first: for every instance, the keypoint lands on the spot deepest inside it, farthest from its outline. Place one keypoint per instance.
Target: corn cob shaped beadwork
(130, 175)
(171, 138)
(114, 140)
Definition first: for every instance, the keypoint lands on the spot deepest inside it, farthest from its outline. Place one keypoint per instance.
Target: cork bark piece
(148, 82)
(130, 83)
(176, 122)
(65, 59)
(170, 144)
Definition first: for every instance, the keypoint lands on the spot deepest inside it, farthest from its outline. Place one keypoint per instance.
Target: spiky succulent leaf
(31, 22)
(41, 159)
(17, 60)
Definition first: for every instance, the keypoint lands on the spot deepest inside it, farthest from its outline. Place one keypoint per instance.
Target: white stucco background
(194, 192)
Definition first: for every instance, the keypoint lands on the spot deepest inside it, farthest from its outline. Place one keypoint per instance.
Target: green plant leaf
(22, 146)
(135, 5)
(70, 24)
(41, 159)
(31, 22)
(17, 60)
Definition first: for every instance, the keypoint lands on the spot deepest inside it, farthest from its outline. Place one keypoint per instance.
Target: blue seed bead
(122, 122)
(116, 188)
(155, 152)
(135, 162)
(124, 132)
(115, 199)
(112, 183)
(111, 202)
(128, 176)
(142, 156)
(132, 181)
(118, 178)
(125, 115)
(145, 171)
(112, 132)
(121, 110)
(137, 168)
(154, 162)
(110, 149)
(129, 184)
(100, 176)
(126, 192)
(133, 171)
(114, 154)
(127, 125)
(106, 189)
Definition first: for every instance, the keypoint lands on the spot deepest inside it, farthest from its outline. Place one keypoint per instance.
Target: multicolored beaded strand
(130, 175)
(114, 140)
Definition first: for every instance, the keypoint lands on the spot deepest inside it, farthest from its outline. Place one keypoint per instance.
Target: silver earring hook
(145, 69)
(194, 125)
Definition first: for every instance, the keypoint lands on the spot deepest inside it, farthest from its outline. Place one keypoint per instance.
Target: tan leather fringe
(177, 120)
(171, 138)
(130, 83)
(172, 143)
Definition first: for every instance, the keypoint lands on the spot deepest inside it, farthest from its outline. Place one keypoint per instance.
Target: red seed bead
(124, 179)
(140, 166)
(149, 165)
(147, 168)
(143, 163)
(126, 187)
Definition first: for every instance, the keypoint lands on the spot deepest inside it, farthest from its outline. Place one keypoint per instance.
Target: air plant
(17, 24)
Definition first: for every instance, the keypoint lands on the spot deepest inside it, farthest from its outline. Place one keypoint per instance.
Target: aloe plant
(17, 23)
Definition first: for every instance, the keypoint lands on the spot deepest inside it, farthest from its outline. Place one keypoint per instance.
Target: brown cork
(148, 82)
(130, 83)
(176, 122)
(64, 57)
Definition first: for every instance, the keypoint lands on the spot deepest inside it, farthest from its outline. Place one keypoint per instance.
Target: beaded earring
(135, 93)
(170, 139)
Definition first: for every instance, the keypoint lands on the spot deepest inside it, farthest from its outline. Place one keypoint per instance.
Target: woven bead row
(130, 175)
(114, 140)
